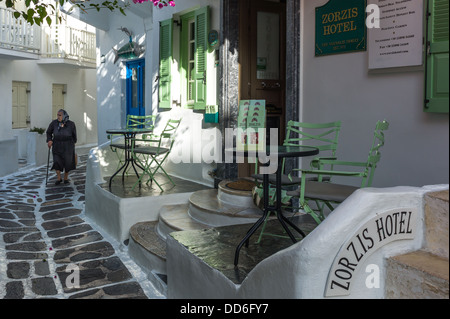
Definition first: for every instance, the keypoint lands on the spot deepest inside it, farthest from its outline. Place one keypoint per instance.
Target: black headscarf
(65, 118)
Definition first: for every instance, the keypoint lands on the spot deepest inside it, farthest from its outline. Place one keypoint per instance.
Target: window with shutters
(190, 91)
(165, 63)
(436, 65)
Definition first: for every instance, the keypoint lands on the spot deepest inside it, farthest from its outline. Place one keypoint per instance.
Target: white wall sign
(385, 228)
(398, 40)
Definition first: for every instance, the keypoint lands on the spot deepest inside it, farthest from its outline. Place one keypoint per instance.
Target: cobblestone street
(48, 248)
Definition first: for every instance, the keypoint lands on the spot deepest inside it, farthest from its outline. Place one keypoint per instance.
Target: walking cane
(48, 161)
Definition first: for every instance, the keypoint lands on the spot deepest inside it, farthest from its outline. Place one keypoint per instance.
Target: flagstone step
(417, 275)
(424, 274)
(436, 221)
(147, 248)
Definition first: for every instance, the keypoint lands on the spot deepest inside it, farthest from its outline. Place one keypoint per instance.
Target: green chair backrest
(374, 153)
(324, 136)
(169, 131)
(141, 121)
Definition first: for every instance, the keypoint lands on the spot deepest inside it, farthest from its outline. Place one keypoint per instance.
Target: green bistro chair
(324, 136)
(331, 193)
(133, 121)
(153, 150)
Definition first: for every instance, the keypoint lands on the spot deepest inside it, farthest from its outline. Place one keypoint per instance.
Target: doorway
(19, 104)
(135, 84)
(262, 58)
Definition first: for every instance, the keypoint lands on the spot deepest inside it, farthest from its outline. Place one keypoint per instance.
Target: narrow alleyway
(49, 249)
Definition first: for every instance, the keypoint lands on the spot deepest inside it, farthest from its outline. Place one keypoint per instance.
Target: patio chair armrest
(324, 172)
(333, 163)
(150, 136)
(315, 162)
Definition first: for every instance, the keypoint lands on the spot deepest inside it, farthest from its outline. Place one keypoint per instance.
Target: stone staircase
(230, 204)
(424, 274)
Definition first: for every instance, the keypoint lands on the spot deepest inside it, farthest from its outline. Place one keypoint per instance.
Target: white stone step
(206, 208)
(236, 193)
(176, 218)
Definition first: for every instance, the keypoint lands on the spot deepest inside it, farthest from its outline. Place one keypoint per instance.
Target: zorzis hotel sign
(385, 228)
(340, 27)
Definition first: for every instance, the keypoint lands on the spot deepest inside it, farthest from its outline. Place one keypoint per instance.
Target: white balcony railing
(56, 41)
(62, 41)
(17, 34)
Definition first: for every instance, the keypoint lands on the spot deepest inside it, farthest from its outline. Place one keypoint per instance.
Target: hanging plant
(158, 3)
(40, 12)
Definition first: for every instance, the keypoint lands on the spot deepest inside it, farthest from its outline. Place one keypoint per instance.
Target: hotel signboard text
(340, 27)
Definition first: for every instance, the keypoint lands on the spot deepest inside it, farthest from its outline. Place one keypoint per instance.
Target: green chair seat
(119, 145)
(151, 150)
(326, 191)
(286, 180)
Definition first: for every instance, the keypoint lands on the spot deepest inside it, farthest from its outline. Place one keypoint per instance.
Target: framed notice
(398, 40)
(340, 27)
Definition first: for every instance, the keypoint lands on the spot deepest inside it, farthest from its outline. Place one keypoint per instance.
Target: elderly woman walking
(62, 136)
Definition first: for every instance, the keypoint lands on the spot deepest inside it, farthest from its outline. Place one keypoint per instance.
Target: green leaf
(16, 14)
(49, 20)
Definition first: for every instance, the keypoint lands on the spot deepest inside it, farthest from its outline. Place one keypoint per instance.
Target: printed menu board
(251, 134)
(398, 40)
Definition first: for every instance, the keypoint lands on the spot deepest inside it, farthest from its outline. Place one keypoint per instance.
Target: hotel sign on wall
(340, 27)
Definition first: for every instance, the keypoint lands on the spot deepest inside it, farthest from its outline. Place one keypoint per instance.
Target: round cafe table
(129, 135)
(277, 153)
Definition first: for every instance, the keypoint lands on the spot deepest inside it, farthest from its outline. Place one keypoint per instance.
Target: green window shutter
(165, 62)
(201, 49)
(437, 66)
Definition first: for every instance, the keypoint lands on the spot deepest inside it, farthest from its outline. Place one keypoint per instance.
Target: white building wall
(80, 100)
(111, 85)
(111, 77)
(339, 87)
(5, 100)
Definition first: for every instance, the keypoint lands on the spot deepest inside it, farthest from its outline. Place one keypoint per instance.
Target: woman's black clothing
(63, 148)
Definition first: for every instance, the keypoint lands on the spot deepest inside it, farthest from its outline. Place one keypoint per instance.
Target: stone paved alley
(46, 241)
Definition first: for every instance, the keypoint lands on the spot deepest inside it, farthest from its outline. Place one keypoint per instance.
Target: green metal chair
(153, 150)
(331, 193)
(324, 136)
(133, 121)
